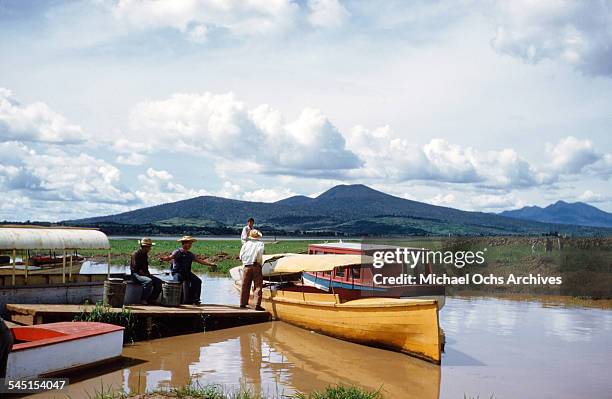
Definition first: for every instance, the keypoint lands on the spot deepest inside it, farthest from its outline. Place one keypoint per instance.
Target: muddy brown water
(500, 347)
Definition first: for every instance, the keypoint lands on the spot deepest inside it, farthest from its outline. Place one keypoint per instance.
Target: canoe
(54, 348)
(410, 326)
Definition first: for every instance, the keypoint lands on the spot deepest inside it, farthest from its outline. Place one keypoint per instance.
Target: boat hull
(356, 291)
(409, 326)
(49, 349)
(20, 270)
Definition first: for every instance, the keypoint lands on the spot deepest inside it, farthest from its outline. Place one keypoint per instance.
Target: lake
(500, 347)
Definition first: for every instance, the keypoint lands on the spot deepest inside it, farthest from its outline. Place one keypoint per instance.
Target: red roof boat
(50, 349)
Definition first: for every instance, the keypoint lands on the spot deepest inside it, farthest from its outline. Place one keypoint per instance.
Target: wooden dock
(191, 317)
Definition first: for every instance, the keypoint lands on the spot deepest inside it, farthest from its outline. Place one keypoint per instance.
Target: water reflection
(276, 357)
(502, 347)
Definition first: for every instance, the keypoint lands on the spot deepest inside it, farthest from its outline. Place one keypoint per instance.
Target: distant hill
(344, 209)
(577, 213)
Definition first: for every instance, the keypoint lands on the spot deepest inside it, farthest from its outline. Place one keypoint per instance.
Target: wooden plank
(34, 310)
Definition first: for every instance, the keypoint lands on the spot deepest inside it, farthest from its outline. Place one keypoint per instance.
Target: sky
(108, 106)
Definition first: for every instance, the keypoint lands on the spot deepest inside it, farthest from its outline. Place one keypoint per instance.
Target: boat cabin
(21, 246)
(359, 280)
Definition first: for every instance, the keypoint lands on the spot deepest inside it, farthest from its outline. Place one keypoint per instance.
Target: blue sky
(107, 106)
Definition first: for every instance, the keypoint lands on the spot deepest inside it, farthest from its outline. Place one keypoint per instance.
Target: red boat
(46, 260)
(49, 349)
(358, 282)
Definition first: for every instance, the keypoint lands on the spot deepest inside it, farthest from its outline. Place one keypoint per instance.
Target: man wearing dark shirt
(182, 259)
(139, 266)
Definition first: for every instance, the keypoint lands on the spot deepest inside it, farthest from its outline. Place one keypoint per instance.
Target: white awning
(51, 238)
(295, 263)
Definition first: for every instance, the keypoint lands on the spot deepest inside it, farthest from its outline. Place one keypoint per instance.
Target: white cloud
(576, 32)
(389, 157)
(60, 176)
(158, 186)
(327, 13)
(133, 159)
(495, 202)
(593, 197)
(222, 127)
(442, 199)
(571, 155)
(34, 122)
(268, 194)
(196, 18)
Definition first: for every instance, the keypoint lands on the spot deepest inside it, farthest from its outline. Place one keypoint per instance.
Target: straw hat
(254, 234)
(186, 239)
(146, 242)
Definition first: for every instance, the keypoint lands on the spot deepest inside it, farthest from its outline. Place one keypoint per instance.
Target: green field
(222, 252)
(584, 263)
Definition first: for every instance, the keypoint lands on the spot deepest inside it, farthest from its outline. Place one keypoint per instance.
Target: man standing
(6, 344)
(251, 255)
(182, 259)
(139, 267)
(246, 230)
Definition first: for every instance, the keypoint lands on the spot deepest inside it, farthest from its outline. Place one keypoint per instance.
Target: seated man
(139, 267)
(251, 255)
(182, 259)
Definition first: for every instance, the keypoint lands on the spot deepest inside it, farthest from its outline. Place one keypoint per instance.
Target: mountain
(344, 209)
(577, 213)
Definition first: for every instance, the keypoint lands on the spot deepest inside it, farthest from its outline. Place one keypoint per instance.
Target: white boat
(54, 348)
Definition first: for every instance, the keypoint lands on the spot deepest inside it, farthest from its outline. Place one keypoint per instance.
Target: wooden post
(70, 271)
(26, 262)
(64, 268)
(14, 263)
(109, 260)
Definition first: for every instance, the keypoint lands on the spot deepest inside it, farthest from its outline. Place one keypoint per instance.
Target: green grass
(222, 252)
(341, 392)
(105, 314)
(215, 391)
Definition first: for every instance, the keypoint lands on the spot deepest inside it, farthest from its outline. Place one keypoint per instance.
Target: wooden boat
(357, 282)
(49, 349)
(47, 260)
(409, 326)
(20, 269)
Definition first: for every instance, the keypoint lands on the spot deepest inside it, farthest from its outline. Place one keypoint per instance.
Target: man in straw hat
(182, 258)
(251, 255)
(139, 267)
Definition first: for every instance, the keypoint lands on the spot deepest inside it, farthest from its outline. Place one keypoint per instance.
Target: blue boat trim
(337, 284)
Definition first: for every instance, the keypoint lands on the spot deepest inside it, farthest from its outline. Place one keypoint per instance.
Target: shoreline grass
(218, 391)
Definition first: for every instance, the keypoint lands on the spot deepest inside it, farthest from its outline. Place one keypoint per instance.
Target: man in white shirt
(251, 255)
(246, 230)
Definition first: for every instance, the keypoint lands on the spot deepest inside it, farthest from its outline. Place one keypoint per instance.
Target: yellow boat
(409, 326)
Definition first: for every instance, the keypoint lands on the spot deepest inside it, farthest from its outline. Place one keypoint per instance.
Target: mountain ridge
(576, 213)
(345, 209)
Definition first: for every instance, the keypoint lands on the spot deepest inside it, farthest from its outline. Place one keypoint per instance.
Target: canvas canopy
(51, 238)
(295, 263)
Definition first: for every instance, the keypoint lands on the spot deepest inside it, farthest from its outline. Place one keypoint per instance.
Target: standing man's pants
(191, 289)
(151, 286)
(6, 344)
(251, 274)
